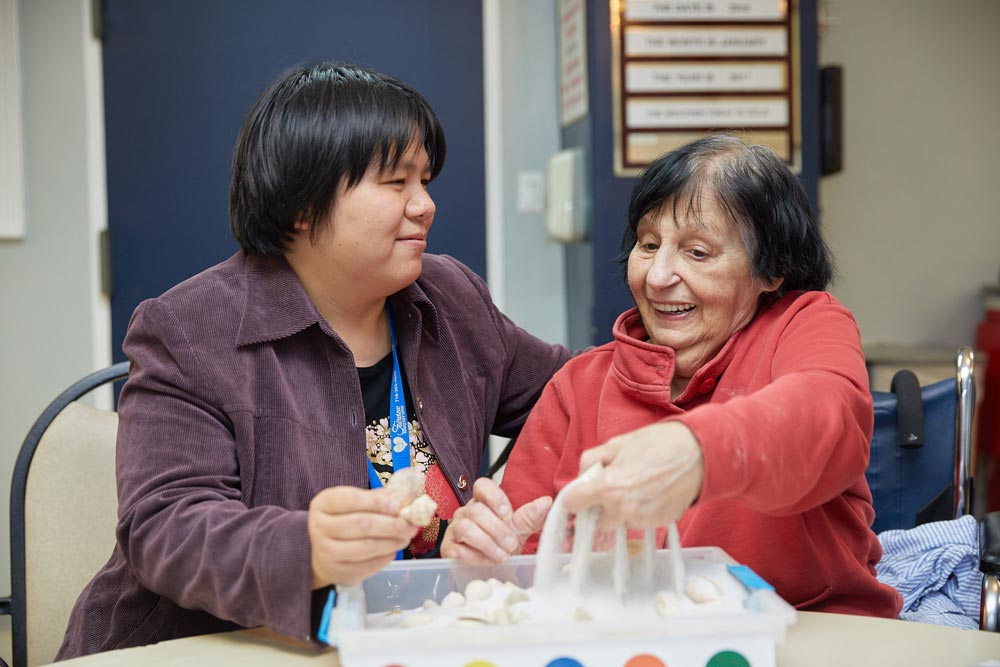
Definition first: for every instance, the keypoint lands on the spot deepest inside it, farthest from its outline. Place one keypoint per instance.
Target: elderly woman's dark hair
(314, 129)
(758, 192)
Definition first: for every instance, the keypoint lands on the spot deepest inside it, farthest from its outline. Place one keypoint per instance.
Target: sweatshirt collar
(647, 369)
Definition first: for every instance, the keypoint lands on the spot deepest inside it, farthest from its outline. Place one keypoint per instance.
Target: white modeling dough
(477, 589)
(515, 596)
(420, 512)
(667, 604)
(702, 589)
(453, 600)
(416, 619)
(405, 485)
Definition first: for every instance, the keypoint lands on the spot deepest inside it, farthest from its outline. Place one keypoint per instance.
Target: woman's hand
(650, 477)
(485, 531)
(354, 533)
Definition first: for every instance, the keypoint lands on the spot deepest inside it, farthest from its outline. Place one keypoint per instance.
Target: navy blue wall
(180, 76)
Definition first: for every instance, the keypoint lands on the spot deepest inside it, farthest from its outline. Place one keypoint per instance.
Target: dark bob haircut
(759, 194)
(313, 130)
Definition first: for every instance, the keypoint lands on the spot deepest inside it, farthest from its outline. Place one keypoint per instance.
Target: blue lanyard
(399, 437)
(399, 426)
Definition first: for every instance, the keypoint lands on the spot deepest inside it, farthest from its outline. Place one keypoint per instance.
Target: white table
(816, 640)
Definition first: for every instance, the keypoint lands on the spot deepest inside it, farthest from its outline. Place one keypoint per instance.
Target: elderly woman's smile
(691, 279)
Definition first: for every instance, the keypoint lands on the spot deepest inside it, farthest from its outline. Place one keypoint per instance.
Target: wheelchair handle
(966, 387)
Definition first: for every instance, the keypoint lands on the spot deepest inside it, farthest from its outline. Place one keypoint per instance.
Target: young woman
(270, 396)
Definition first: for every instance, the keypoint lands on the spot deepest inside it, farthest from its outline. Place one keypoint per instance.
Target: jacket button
(420, 404)
(707, 386)
(463, 482)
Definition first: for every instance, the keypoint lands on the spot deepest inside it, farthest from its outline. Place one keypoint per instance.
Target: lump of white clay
(453, 600)
(581, 615)
(429, 604)
(500, 616)
(477, 589)
(517, 615)
(413, 620)
(420, 511)
(667, 604)
(515, 596)
(473, 609)
(702, 589)
(405, 485)
(474, 612)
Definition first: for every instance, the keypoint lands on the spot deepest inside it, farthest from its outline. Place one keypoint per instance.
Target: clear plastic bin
(744, 636)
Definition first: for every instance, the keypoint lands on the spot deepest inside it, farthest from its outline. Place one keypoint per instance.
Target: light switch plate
(530, 192)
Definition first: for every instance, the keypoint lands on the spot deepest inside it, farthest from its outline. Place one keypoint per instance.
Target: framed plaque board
(682, 69)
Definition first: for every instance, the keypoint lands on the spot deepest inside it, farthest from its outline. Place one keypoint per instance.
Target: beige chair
(64, 511)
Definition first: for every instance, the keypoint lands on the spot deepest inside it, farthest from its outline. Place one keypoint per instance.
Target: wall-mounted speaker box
(831, 119)
(568, 198)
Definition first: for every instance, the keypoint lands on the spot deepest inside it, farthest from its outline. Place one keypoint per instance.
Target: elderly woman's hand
(485, 531)
(650, 477)
(354, 533)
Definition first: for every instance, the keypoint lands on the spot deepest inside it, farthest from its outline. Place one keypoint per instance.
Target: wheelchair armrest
(989, 543)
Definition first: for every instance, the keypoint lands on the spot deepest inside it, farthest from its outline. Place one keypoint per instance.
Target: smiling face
(691, 279)
(378, 229)
(374, 243)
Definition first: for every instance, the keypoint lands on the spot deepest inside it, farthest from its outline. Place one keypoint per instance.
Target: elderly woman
(734, 396)
(270, 396)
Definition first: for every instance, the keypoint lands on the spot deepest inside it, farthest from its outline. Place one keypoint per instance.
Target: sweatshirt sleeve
(184, 525)
(803, 438)
(542, 461)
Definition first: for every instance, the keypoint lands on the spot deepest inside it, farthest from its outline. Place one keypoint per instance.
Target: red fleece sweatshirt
(784, 418)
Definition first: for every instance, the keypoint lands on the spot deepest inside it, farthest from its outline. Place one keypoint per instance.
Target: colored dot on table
(645, 660)
(728, 659)
(479, 663)
(564, 662)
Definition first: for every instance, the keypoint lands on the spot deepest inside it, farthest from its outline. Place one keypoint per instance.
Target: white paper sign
(755, 41)
(573, 89)
(706, 10)
(701, 77)
(706, 112)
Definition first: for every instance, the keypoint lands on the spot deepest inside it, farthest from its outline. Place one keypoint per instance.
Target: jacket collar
(647, 369)
(277, 306)
(413, 300)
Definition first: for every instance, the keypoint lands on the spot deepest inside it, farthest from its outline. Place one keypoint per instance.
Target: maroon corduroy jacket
(241, 404)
